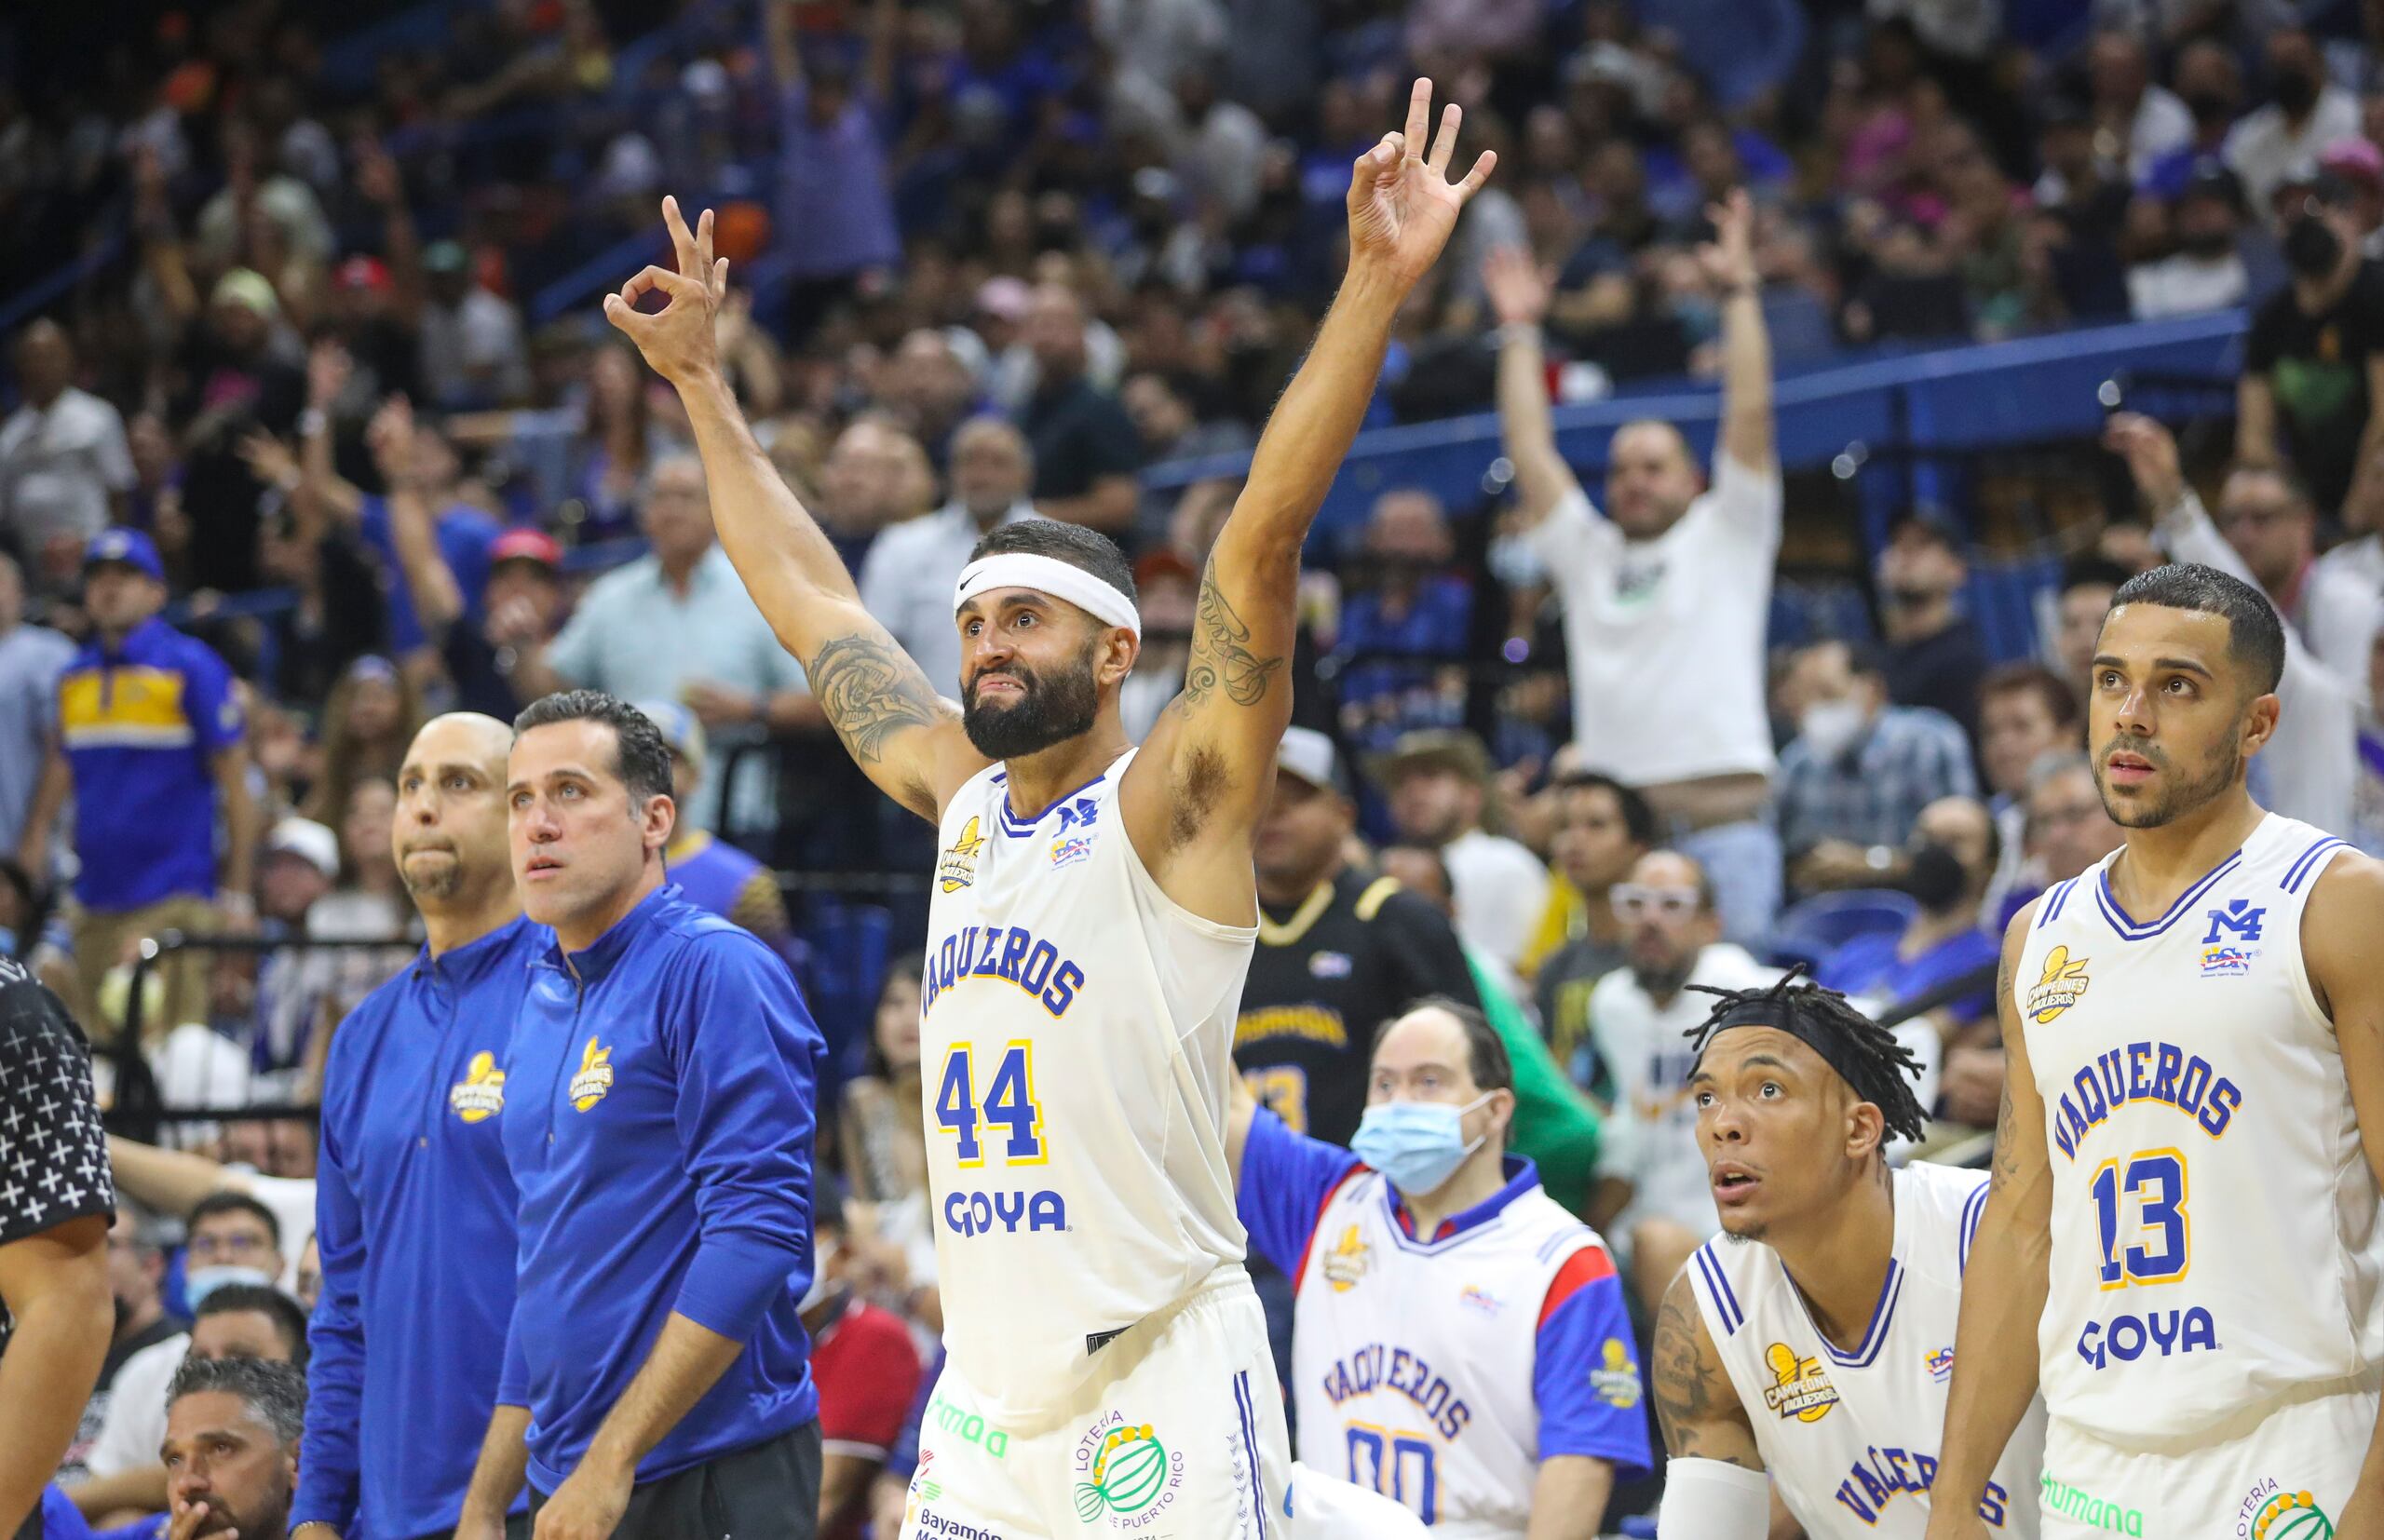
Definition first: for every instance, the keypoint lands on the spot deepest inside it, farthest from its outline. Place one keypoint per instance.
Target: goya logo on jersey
(2142, 1072)
(1124, 1471)
(481, 1094)
(2272, 1511)
(2164, 1333)
(1616, 1382)
(971, 1214)
(1007, 952)
(1345, 1264)
(594, 1077)
(958, 867)
(2063, 983)
(1802, 1389)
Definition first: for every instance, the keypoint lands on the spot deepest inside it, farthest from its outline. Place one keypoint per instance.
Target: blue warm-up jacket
(659, 1123)
(413, 1211)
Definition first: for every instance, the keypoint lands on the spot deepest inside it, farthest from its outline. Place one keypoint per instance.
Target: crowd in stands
(326, 435)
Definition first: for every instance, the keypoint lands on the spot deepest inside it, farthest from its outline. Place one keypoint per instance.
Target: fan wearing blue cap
(151, 744)
(712, 874)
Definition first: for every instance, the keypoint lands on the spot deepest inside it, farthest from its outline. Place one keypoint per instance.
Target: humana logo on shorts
(2076, 1503)
(1125, 1472)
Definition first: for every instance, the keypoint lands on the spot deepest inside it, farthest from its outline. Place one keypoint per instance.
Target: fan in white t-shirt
(1667, 591)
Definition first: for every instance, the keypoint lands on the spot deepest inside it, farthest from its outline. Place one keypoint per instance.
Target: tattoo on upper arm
(869, 690)
(1690, 1397)
(1221, 654)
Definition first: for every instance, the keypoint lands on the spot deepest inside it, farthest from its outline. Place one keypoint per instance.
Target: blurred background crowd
(312, 428)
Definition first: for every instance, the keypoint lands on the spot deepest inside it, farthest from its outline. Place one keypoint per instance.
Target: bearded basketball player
(1091, 923)
(2183, 1210)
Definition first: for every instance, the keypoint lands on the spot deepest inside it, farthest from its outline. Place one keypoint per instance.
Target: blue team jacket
(413, 1203)
(659, 1123)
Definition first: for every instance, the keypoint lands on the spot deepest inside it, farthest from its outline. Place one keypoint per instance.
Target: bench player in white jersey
(1459, 1342)
(1092, 918)
(1811, 1341)
(2184, 1213)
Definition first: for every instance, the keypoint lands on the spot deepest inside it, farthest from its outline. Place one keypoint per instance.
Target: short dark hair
(640, 757)
(1638, 814)
(288, 1316)
(1430, 852)
(2255, 635)
(1485, 1052)
(235, 1203)
(1089, 549)
(276, 1392)
(2013, 679)
(2093, 572)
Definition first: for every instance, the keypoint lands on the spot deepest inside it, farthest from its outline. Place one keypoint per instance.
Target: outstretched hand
(2150, 450)
(1729, 258)
(1402, 204)
(677, 339)
(1518, 285)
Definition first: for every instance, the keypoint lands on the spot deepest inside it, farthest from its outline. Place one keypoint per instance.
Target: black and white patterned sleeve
(53, 1151)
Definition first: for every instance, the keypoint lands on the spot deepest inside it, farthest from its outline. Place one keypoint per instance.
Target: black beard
(1665, 983)
(1050, 710)
(2183, 799)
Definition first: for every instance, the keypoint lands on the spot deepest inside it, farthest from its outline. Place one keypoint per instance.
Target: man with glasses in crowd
(1652, 1197)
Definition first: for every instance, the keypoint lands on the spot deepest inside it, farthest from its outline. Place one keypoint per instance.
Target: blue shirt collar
(139, 639)
(606, 950)
(468, 964)
(1521, 1176)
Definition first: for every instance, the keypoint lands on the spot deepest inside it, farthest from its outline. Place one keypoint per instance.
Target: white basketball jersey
(1413, 1359)
(1851, 1436)
(1075, 1035)
(2214, 1230)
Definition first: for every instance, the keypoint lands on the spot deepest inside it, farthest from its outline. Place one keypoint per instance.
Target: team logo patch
(1345, 1264)
(1617, 1381)
(1802, 1389)
(1941, 1363)
(1067, 850)
(2238, 919)
(958, 867)
(594, 1078)
(2226, 962)
(1125, 1472)
(1329, 965)
(2064, 982)
(1473, 1297)
(2272, 1511)
(481, 1094)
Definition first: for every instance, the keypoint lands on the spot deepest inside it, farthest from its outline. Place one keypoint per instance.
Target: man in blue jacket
(659, 1125)
(414, 1205)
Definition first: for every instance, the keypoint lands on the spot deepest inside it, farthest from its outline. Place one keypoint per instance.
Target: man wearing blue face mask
(1460, 1343)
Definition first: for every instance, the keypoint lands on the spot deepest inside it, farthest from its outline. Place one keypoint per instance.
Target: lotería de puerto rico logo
(1125, 1472)
(2273, 1511)
(481, 1094)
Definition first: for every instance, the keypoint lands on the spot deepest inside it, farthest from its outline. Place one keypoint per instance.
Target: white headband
(1048, 574)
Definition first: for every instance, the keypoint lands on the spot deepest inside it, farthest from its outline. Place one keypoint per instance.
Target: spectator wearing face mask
(2314, 363)
(2305, 112)
(1859, 770)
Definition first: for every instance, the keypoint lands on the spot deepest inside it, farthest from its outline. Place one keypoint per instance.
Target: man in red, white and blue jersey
(1460, 1342)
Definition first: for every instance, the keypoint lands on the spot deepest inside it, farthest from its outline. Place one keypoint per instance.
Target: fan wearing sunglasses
(1652, 1197)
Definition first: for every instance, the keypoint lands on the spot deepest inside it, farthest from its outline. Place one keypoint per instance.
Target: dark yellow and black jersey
(1324, 975)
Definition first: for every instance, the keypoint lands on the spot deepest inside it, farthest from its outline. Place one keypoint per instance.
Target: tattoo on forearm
(2006, 1164)
(1221, 654)
(1687, 1394)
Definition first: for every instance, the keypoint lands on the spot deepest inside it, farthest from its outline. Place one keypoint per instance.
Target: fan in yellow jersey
(1092, 918)
(2184, 1207)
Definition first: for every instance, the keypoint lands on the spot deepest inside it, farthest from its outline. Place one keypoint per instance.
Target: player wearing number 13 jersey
(1094, 909)
(2184, 1210)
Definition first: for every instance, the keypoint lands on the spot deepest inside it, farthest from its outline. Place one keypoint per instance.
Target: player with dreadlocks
(1812, 1341)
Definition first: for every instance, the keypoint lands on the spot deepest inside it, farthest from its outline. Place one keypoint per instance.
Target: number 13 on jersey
(1009, 1105)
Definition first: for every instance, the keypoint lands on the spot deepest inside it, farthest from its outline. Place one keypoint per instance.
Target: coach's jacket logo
(481, 1094)
(595, 1076)
(1345, 1264)
(1802, 1390)
(2059, 989)
(958, 868)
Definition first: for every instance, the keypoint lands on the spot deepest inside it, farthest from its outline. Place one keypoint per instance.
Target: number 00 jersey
(1851, 1438)
(2214, 1230)
(1075, 1032)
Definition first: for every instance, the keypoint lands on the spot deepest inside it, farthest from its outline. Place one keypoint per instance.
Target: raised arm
(1195, 793)
(1519, 288)
(902, 734)
(1714, 1486)
(2004, 1286)
(1729, 260)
